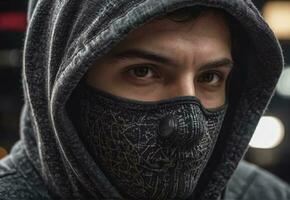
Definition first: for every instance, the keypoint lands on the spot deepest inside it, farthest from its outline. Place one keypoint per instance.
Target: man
(143, 100)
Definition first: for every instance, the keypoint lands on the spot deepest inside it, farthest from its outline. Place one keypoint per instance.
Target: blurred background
(270, 145)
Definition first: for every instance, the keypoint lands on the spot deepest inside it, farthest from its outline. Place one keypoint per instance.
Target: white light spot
(283, 87)
(268, 134)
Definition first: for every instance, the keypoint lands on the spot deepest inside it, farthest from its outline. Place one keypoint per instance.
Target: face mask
(149, 150)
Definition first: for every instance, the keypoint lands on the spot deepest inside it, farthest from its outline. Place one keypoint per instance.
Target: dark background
(12, 31)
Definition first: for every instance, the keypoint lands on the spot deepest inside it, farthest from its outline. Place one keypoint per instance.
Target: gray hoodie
(64, 38)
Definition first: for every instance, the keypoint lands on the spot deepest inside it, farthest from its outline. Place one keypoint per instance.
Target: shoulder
(18, 180)
(250, 182)
(12, 184)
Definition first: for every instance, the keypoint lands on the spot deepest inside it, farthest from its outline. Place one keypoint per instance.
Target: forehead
(210, 22)
(209, 30)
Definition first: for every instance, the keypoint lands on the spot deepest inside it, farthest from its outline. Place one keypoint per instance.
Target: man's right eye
(142, 74)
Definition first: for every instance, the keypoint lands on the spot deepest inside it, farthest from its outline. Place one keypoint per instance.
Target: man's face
(164, 59)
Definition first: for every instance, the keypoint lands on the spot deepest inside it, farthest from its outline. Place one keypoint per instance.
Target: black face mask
(149, 150)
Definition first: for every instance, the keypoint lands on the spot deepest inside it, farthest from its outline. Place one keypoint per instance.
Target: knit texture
(65, 37)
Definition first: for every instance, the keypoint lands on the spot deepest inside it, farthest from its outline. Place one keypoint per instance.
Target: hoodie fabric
(65, 37)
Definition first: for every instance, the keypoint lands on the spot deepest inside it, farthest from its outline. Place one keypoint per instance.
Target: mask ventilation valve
(171, 134)
(167, 127)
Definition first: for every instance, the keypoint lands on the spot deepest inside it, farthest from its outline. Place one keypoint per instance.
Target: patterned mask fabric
(149, 150)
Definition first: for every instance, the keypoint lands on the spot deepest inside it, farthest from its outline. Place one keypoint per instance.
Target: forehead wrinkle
(173, 39)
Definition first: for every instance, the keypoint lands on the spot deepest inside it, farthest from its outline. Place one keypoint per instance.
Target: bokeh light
(268, 134)
(277, 14)
(3, 152)
(283, 87)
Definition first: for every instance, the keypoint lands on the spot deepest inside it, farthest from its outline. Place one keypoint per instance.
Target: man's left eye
(210, 78)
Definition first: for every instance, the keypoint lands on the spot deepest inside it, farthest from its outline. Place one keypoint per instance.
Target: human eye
(211, 79)
(141, 73)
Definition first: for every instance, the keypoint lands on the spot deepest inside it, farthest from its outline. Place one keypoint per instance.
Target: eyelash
(213, 72)
(151, 67)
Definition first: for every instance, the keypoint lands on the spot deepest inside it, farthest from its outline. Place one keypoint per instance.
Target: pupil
(208, 77)
(141, 71)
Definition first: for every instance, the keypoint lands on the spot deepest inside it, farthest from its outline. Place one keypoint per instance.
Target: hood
(65, 37)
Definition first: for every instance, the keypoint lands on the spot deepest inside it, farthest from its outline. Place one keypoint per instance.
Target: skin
(197, 54)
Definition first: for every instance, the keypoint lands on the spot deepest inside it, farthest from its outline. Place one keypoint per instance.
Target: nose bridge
(183, 85)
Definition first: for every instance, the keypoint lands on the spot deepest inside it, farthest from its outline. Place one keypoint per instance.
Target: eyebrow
(144, 54)
(224, 62)
(148, 55)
